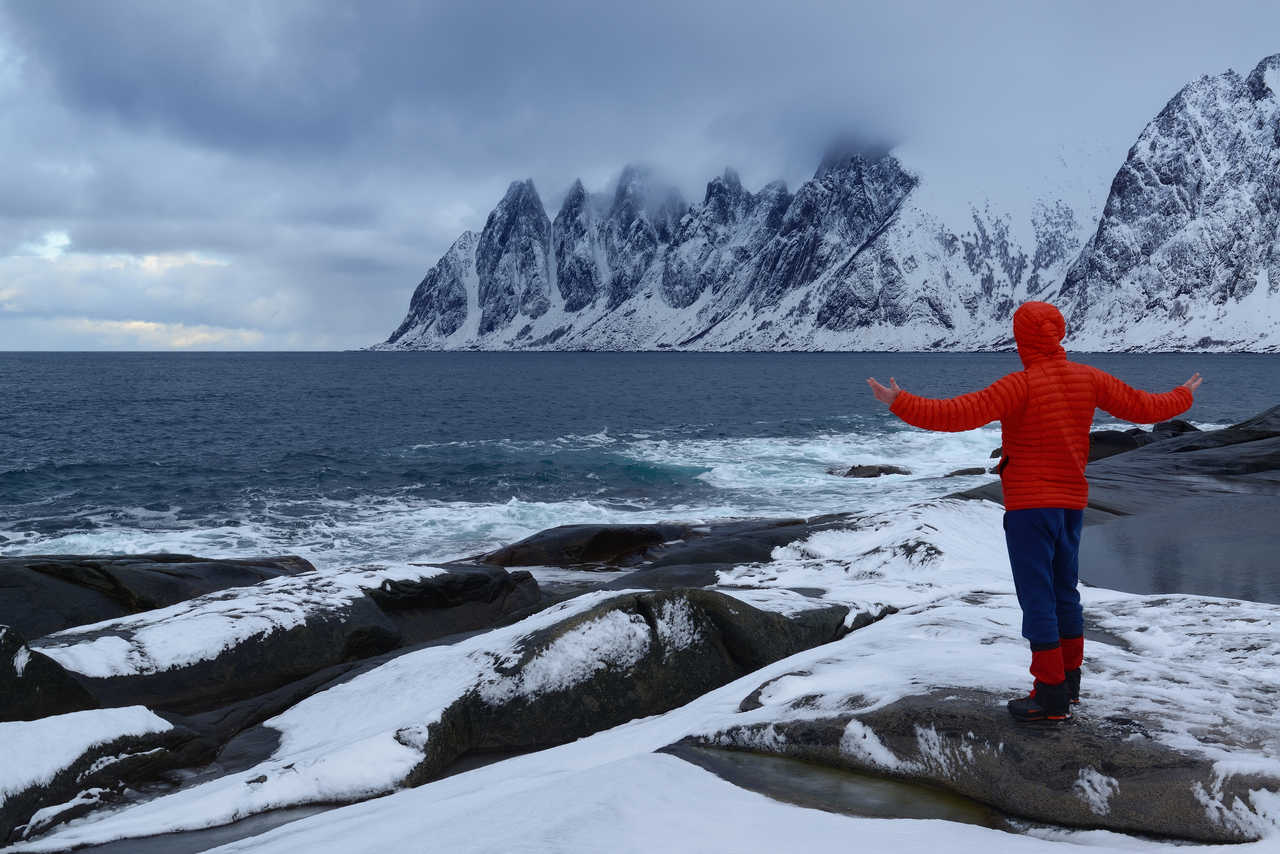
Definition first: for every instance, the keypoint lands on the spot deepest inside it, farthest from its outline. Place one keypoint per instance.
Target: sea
(365, 457)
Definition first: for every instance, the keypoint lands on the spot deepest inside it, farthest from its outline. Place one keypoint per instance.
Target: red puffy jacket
(1045, 412)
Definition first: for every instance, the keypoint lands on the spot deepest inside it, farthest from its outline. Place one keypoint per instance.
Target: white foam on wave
(789, 475)
(753, 476)
(349, 533)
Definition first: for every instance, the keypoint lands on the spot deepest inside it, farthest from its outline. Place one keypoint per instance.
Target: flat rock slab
(1089, 773)
(41, 594)
(670, 544)
(1175, 736)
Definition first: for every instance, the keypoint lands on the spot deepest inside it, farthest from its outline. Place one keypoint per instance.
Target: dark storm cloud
(293, 167)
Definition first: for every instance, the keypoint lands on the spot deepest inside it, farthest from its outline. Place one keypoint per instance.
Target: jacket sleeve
(1141, 407)
(966, 412)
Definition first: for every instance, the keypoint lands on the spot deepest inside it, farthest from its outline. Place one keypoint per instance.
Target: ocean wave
(439, 501)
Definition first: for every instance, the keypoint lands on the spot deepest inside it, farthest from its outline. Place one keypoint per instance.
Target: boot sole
(1043, 719)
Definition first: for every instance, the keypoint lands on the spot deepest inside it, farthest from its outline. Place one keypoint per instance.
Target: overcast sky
(279, 175)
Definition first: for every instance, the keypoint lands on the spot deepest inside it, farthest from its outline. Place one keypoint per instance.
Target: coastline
(901, 626)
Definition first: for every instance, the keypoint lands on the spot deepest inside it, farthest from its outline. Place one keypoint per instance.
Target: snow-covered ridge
(879, 253)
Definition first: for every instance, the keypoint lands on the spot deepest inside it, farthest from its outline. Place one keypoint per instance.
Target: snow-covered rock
(564, 673)
(40, 594)
(245, 641)
(1173, 736)
(878, 252)
(47, 761)
(1175, 704)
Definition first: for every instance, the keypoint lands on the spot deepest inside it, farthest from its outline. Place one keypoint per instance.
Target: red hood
(1038, 328)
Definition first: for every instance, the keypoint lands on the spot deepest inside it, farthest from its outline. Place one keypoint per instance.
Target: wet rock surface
(966, 472)
(1166, 552)
(1243, 459)
(1161, 513)
(872, 470)
(571, 545)
(40, 594)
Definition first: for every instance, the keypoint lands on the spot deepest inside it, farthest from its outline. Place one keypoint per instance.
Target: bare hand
(884, 395)
(1194, 383)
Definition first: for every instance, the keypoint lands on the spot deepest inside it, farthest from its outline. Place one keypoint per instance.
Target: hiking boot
(1045, 703)
(1073, 685)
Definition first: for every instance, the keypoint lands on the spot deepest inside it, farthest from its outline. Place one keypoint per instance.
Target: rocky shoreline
(187, 693)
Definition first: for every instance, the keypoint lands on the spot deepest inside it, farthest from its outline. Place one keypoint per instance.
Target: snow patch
(20, 660)
(1095, 789)
(616, 639)
(677, 627)
(861, 741)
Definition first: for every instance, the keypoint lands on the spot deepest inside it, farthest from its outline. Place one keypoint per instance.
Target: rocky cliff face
(1187, 253)
(869, 254)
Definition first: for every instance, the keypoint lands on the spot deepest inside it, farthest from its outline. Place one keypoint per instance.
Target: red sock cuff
(1046, 666)
(1072, 652)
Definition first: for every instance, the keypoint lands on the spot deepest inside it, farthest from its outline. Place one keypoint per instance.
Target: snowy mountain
(878, 253)
(1187, 254)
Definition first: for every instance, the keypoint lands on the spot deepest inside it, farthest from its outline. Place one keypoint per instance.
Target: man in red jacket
(1045, 412)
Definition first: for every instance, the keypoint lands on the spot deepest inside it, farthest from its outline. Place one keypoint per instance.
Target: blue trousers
(1044, 549)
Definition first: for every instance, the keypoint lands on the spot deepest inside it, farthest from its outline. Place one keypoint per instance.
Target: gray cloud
(292, 168)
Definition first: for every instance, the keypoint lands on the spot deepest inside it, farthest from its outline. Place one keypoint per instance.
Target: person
(1045, 412)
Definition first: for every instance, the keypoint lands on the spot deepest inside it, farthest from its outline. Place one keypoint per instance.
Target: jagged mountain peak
(633, 189)
(521, 195)
(575, 199)
(1187, 253)
(728, 179)
(641, 194)
(876, 252)
(1265, 78)
(774, 189)
(847, 152)
(725, 199)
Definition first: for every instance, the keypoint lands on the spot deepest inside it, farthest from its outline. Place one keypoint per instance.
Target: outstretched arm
(954, 414)
(1141, 407)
